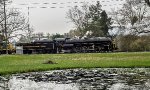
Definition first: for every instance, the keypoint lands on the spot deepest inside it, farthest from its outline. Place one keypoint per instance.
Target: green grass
(26, 63)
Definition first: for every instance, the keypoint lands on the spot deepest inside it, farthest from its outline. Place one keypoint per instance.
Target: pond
(80, 79)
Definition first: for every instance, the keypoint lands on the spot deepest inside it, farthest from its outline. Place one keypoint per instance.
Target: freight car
(67, 45)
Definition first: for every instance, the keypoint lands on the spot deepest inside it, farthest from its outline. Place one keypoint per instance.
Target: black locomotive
(67, 45)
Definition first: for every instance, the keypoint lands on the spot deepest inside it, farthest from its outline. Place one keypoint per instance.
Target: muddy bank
(83, 79)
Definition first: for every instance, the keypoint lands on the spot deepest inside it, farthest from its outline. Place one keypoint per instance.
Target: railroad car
(67, 45)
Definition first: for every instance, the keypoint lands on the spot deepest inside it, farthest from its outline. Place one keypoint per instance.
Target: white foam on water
(19, 84)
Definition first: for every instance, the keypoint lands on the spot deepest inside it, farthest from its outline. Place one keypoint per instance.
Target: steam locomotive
(67, 45)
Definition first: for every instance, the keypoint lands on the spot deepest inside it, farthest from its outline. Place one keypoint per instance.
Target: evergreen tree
(90, 19)
(105, 23)
(100, 24)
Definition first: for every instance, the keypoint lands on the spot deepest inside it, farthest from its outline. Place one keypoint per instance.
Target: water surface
(82, 79)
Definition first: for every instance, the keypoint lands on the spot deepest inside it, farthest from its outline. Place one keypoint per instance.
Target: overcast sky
(45, 18)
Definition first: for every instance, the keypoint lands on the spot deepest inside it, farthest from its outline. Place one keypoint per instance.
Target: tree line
(128, 26)
(89, 20)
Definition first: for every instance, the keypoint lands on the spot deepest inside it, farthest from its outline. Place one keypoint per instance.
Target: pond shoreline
(94, 78)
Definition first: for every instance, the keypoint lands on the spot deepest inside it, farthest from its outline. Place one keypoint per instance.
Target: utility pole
(5, 26)
(29, 36)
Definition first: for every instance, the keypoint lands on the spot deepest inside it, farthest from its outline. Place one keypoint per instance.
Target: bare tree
(48, 35)
(79, 16)
(16, 24)
(27, 37)
(37, 36)
(12, 23)
(74, 33)
(134, 16)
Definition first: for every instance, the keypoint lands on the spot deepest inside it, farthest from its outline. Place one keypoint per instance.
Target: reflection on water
(83, 79)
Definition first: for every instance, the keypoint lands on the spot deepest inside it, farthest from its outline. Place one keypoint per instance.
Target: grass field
(25, 63)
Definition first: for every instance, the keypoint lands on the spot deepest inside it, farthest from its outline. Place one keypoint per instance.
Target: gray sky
(53, 20)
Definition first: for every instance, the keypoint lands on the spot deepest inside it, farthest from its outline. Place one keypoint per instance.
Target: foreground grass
(25, 63)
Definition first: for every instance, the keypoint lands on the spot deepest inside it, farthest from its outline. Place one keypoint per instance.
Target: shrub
(133, 43)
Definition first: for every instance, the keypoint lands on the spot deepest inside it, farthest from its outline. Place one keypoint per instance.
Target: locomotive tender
(67, 45)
